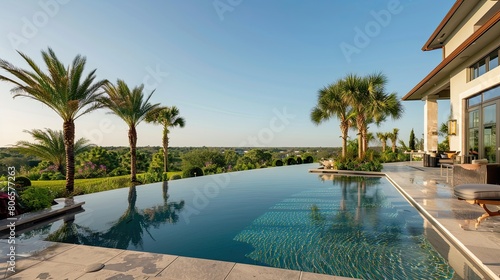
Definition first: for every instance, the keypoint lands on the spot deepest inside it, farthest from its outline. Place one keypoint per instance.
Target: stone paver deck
(471, 252)
(51, 260)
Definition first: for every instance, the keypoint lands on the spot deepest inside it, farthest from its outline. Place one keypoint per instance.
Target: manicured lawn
(84, 186)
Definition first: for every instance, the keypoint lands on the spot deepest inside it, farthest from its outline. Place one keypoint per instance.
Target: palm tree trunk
(360, 124)
(165, 191)
(365, 141)
(384, 144)
(345, 130)
(69, 146)
(132, 138)
(165, 149)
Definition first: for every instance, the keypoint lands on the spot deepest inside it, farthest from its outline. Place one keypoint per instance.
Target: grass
(86, 186)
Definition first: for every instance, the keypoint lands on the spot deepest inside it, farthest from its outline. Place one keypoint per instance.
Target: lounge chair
(482, 195)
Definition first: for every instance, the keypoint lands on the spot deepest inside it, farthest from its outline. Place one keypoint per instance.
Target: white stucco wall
(466, 28)
(461, 88)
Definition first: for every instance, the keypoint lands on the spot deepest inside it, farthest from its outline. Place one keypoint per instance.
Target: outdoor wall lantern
(452, 127)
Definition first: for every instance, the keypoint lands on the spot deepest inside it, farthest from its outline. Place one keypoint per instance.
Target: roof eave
(446, 19)
(467, 43)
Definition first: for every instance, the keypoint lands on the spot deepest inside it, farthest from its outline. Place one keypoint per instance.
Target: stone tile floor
(50, 260)
(471, 252)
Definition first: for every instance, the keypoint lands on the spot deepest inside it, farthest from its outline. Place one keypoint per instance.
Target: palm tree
(332, 103)
(358, 96)
(382, 105)
(370, 103)
(393, 136)
(49, 146)
(131, 107)
(167, 117)
(62, 89)
(383, 138)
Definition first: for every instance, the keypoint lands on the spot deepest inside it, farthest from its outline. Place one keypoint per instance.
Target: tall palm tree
(357, 93)
(62, 88)
(168, 117)
(370, 103)
(384, 105)
(49, 146)
(332, 103)
(132, 107)
(383, 138)
(393, 136)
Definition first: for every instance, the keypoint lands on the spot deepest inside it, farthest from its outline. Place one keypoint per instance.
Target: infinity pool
(281, 217)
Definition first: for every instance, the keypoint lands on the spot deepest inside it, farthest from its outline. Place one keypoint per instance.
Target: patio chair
(482, 195)
(476, 173)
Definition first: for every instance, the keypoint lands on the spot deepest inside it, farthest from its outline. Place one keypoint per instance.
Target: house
(468, 76)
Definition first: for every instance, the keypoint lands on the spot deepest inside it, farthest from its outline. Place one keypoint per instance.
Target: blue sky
(242, 73)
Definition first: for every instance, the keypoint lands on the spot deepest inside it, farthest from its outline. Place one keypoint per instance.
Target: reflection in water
(127, 230)
(355, 229)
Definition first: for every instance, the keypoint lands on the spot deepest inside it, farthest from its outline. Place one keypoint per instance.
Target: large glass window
(473, 133)
(489, 132)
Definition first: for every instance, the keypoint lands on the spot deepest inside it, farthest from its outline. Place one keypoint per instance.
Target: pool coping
(63, 206)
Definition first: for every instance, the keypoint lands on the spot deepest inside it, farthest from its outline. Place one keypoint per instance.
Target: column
(430, 124)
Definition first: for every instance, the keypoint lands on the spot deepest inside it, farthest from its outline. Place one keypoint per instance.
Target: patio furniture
(430, 159)
(482, 195)
(448, 167)
(475, 174)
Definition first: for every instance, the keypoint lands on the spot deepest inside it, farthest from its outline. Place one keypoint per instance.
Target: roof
(475, 43)
(455, 15)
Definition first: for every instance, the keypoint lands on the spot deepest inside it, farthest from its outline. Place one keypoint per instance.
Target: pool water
(281, 217)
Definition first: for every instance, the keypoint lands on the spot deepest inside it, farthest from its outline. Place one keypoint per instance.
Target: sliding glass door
(483, 134)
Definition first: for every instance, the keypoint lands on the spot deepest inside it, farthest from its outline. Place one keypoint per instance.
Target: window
(476, 100)
(473, 143)
(491, 93)
(484, 65)
(493, 60)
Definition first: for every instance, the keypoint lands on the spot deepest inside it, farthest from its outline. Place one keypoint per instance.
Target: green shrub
(22, 181)
(291, 161)
(33, 176)
(119, 171)
(45, 176)
(356, 165)
(309, 159)
(36, 198)
(152, 177)
(278, 162)
(176, 177)
(299, 160)
(57, 176)
(192, 172)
